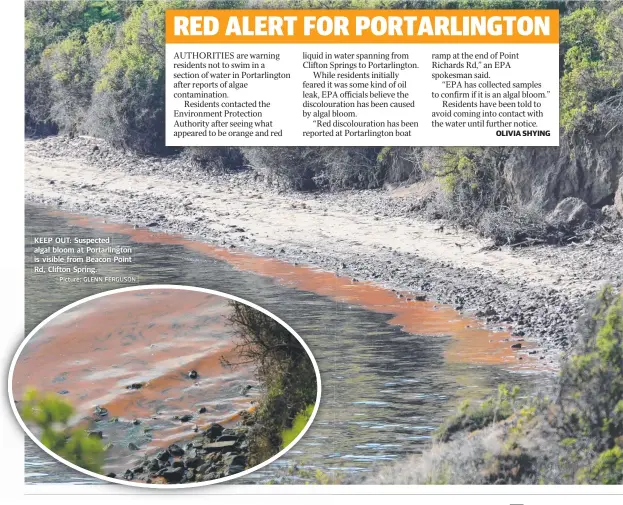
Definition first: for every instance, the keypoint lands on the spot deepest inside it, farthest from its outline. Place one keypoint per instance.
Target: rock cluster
(218, 452)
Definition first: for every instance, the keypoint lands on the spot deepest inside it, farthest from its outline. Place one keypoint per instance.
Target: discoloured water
(92, 354)
(391, 370)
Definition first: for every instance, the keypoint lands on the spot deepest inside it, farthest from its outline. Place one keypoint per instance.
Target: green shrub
(488, 412)
(50, 416)
(298, 424)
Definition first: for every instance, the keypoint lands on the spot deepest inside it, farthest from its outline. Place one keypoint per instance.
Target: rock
(572, 211)
(221, 446)
(610, 213)
(163, 455)
(227, 438)
(100, 411)
(516, 346)
(205, 467)
(132, 446)
(203, 410)
(193, 462)
(420, 298)
(618, 197)
(173, 475)
(235, 460)
(193, 374)
(112, 475)
(185, 418)
(151, 225)
(175, 450)
(136, 422)
(235, 469)
(138, 469)
(63, 392)
(136, 385)
(154, 465)
(128, 475)
(214, 431)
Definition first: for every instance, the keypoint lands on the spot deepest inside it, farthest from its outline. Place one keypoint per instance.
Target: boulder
(175, 450)
(618, 198)
(572, 211)
(173, 475)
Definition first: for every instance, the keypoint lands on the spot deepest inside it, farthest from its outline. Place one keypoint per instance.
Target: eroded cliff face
(586, 167)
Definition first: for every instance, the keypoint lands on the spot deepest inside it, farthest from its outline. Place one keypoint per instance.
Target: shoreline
(366, 235)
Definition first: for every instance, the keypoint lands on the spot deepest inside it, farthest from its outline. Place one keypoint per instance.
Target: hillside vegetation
(575, 437)
(97, 68)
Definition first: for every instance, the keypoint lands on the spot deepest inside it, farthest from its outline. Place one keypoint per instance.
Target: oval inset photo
(164, 386)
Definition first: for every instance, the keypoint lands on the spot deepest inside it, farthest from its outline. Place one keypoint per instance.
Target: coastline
(366, 235)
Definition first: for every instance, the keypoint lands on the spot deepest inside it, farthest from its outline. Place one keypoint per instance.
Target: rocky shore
(537, 291)
(216, 453)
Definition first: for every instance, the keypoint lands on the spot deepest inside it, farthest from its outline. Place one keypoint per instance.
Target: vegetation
(575, 437)
(97, 67)
(298, 425)
(286, 375)
(50, 417)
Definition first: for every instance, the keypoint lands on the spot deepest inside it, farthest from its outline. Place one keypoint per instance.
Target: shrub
(590, 402)
(298, 424)
(312, 168)
(51, 416)
(128, 104)
(216, 159)
(285, 372)
(575, 438)
(471, 419)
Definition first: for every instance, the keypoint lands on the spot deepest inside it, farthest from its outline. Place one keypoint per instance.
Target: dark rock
(128, 475)
(205, 467)
(235, 459)
(151, 225)
(154, 465)
(136, 422)
(163, 455)
(132, 446)
(420, 298)
(112, 475)
(516, 346)
(138, 469)
(177, 464)
(227, 438)
(203, 410)
(235, 469)
(173, 475)
(214, 431)
(193, 374)
(193, 462)
(185, 418)
(175, 450)
(136, 385)
(63, 392)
